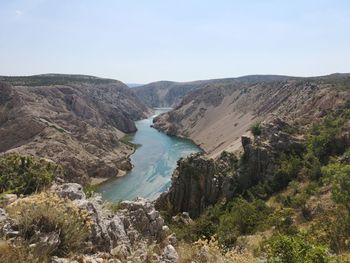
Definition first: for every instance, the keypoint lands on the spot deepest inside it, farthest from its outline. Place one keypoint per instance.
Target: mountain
(169, 93)
(75, 120)
(216, 115)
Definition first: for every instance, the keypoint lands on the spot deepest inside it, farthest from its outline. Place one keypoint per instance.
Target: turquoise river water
(154, 161)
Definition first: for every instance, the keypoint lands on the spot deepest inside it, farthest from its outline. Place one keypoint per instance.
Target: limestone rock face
(260, 154)
(199, 182)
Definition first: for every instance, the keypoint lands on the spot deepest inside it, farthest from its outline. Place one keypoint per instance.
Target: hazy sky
(143, 41)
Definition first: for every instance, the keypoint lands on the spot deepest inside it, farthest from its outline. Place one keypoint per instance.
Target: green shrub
(89, 190)
(295, 249)
(311, 166)
(283, 221)
(203, 227)
(288, 169)
(324, 139)
(338, 175)
(312, 188)
(256, 129)
(25, 174)
(296, 201)
(333, 229)
(242, 218)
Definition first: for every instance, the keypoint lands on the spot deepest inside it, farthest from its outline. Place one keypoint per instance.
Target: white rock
(8, 199)
(72, 191)
(170, 255)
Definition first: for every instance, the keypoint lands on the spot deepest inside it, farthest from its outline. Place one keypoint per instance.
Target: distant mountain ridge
(170, 93)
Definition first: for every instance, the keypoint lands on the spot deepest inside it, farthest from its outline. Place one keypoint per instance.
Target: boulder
(7, 226)
(144, 217)
(71, 191)
(170, 255)
(7, 199)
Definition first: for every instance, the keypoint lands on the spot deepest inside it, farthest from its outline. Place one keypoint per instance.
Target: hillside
(284, 197)
(215, 116)
(75, 120)
(170, 94)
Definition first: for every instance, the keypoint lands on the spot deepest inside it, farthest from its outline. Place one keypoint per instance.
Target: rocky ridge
(170, 93)
(217, 115)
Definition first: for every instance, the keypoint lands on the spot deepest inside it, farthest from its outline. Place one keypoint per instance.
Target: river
(154, 162)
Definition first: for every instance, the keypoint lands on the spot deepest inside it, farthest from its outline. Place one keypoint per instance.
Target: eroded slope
(216, 116)
(77, 122)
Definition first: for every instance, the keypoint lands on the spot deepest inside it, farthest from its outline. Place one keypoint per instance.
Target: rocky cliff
(75, 120)
(199, 182)
(217, 115)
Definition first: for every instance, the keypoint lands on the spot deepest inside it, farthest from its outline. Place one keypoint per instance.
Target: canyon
(270, 144)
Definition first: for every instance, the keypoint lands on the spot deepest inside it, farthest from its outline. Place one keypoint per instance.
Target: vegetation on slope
(302, 214)
(59, 223)
(53, 79)
(26, 174)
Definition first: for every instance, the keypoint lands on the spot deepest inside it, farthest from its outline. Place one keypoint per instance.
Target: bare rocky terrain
(74, 120)
(217, 115)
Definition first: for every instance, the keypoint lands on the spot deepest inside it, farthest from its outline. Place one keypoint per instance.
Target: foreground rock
(128, 234)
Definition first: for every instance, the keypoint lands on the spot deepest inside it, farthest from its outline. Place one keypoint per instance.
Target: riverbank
(153, 163)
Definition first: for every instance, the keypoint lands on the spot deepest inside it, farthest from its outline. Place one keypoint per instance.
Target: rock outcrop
(127, 234)
(199, 182)
(76, 121)
(133, 221)
(262, 153)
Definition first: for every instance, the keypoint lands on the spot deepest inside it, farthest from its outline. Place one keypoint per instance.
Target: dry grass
(204, 251)
(46, 213)
(19, 252)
